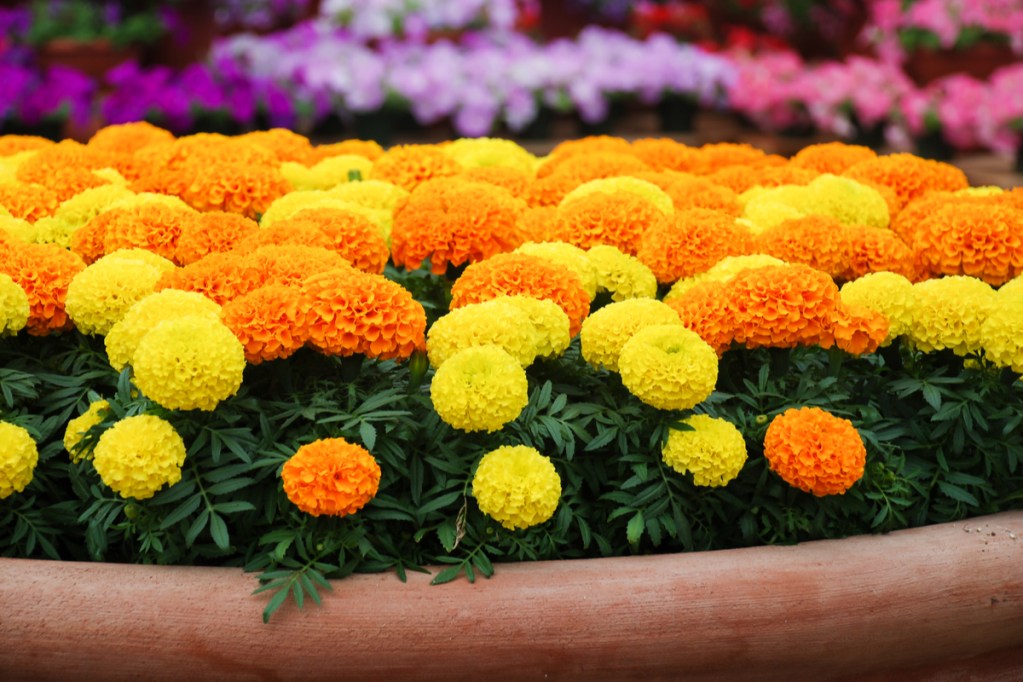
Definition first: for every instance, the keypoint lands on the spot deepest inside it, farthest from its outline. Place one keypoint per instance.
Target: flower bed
(311, 361)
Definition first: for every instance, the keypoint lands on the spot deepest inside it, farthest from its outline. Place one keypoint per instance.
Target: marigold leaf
(635, 527)
(447, 575)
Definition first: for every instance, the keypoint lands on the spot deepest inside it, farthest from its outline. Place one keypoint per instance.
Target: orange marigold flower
(616, 219)
(706, 310)
(979, 240)
(13, 144)
(410, 165)
(44, 271)
(331, 476)
(205, 149)
(691, 242)
(663, 154)
(557, 178)
(713, 157)
(584, 146)
(815, 240)
(87, 241)
(511, 179)
(537, 223)
(875, 249)
(918, 210)
(909, 176)
(783, 306)
(284, 233)
(368, 149)
(858, 329)
(290, 264)
(518, 274)
(739, 178)
(129, 137)
(815, 451)
(28, 202)
(212, 232)
(351, 235)
(454, 222)
(269, 322)
(233, 187)
(285, 144)
(219, 277)
(691, 191)
(65, 168)
(832, 157)
(351, 311)
(151, 226)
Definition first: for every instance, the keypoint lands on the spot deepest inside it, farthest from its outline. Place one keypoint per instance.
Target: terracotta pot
(980, 61)
(943, 602)
(94, 58)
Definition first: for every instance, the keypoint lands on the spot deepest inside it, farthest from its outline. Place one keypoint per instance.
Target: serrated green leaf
(634, 529)
(181, 512)
(368, 433)
(447, 575)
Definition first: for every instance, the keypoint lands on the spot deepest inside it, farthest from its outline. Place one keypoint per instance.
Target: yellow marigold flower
(567, 256)
(848, 201)
(102, 293)
(22, 230)
(495, 322)
(623, 276)
(331, 476)
(139, 455)
(375, 194)
(290, 204)
(330, 172)
(148, 257)
(949, 313)
(548, 320)
(815, 451)
(481, 388)
(125, 336)
(9, 165)
(714, 451)
(516, 486)
(144, 198)
(484, 152)
(1013, 287)
(53, 230)
(765, 208)
(189, 363)
(884, 292)
(14, 307)
(80, 425)
(83, 207)
(1001, 334)
(605, 332)
(641, 188)
(668, 367)
(722, 271)
(18, 458)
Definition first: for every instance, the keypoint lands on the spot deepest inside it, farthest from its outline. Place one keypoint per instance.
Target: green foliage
(132, 23)
(941, 438)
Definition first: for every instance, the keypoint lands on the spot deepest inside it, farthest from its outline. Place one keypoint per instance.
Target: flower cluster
(331, 476)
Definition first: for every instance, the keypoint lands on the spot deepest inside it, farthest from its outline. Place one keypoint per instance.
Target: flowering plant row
(314, 360)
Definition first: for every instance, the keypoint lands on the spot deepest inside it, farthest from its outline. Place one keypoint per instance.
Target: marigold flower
(408, 166)
(28, 202)
(21, 230)
(739, 178)
(588, 145)
(511, 274)
(815, 451)
(479, 388)
(819, 241)
(690, 191)
(453, 222)
(874, 249)
(291, 264)
(623, 276)
(269, 322)
(1001, 334)
(14, 306)
(714, 451)
(489, 152)
(630, 185)
(375, 194)
(831, 157)
(722, 271)
(512, 179)
(18, 458)
(538, 223)
(83, 207)
(150, 226)
(218, 276)
(205, 149)
(887, 293)
(212, 232)
(783, 306)
(350, 235)
(80, 425)
(691, 242)
(14, 144)
(286, 145)
(713, 157)
(327, 174)
(984, 241)
(357, 312)
(668, 367)
(949, 313)
(331, 476)
(102, 293)
(618, 219)
(908, 176)
(129, 137)
(567, 256)
(606, 331)
(189, 363)
(139, 455)
(369, 149)
(549, 322)
(516, 486)
(664, 154)
(284, 233)
(44, 272)
(232, 186)
(495, 322)
(858, 329)
(125, 336)
(558, 177)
